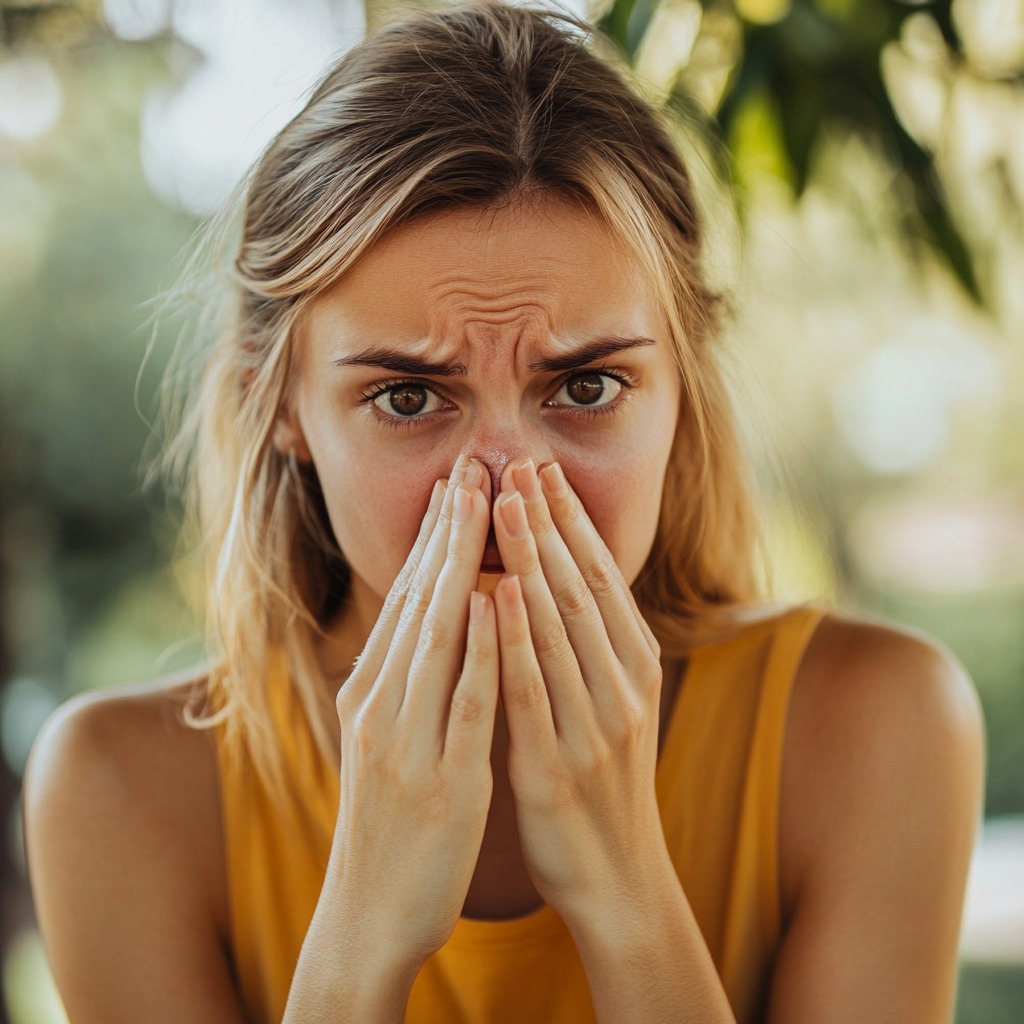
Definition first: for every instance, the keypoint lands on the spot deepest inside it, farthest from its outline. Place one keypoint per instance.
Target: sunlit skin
(491, 293)
(498, 752)
(515, 353)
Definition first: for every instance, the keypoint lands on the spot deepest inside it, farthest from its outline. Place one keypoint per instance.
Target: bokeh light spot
(30, 98)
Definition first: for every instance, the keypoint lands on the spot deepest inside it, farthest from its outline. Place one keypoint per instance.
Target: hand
(581, 683)
(417, 718)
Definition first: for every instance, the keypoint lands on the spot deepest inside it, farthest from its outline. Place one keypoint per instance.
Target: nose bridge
(496, 440)
(503, 422)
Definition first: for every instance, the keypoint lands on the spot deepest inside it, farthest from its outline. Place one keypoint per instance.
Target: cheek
(622, 496)
(376, 514)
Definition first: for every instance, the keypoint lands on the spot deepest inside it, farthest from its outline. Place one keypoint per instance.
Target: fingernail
(477, 607)
(474, 474)
(462, 508)
(459, 469)
(553, 480)
(436, 495)
(513, 514)
(527, 482)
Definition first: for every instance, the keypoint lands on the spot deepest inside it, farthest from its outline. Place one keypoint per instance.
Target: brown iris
(408, 399)
(585, 389)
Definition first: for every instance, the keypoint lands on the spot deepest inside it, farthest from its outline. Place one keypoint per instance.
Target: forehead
(551, 271)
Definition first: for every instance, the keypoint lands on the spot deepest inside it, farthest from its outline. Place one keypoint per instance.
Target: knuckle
(434, 637)
(444, 516)
(541, 523)
(406, 772)
(458, 553)
(628, 722)
(594, 758)
(649, 677)
(570, 511)
(396, 596)
(346, 703)
(602, 575)
(550, 639)
(632, 723)
(478, 654)
(574, 597)
(467, 707)
(531, 779)
(529, 694)
(436, 802)
(417, 599)
(359, 735)
(531, 561)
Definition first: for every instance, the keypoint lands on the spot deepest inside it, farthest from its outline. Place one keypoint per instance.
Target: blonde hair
(479, 105)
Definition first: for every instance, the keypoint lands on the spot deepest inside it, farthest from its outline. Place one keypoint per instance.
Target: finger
(416, 599)
(527, 708)
(604, 578)
(567, 691)
(368, 664)
(470, 729)
(442, 639)
(576, 605)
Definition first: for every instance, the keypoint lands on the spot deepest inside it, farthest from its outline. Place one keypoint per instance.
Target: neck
(347, 634)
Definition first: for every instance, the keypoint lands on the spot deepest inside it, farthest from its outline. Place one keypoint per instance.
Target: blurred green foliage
(852, 230)
(815, 66)
(990, 994)
(94, 248)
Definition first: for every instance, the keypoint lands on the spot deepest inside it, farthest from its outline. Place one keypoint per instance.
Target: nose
(494, 460)
(496, 451)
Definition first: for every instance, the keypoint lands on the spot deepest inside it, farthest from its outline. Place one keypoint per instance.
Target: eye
(587, 389)
(407, 400)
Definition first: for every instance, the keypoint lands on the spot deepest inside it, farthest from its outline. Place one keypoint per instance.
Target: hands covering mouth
(578, 669)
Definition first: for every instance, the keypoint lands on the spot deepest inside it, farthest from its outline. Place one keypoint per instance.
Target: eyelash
(623, 377)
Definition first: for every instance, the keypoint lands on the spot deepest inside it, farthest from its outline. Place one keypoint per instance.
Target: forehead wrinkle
(475, 316)
(490, 346)
(499, 308)
(501, 270)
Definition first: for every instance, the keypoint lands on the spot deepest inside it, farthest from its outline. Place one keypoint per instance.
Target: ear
(289, 437)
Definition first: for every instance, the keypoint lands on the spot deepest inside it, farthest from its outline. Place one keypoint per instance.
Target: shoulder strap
(756, 870)
(790, 643)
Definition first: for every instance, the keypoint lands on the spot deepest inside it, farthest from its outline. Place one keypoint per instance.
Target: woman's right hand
(417, 719)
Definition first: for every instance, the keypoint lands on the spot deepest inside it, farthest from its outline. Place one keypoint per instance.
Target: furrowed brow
(600, 348)
(402, 362)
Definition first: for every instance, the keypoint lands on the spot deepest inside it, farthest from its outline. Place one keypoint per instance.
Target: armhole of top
(788, 647)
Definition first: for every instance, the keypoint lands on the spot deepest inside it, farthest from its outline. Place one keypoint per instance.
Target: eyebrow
(600, 348)
(402, 362)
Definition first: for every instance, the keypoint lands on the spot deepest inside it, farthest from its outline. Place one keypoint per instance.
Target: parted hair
(470, 106)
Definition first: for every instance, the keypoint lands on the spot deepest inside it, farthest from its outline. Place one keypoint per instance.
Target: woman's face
(501, 333)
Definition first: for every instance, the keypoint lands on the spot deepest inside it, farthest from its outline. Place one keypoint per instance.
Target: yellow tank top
(717, 785)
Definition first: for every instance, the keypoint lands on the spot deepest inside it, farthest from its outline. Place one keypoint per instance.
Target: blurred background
(866, 201)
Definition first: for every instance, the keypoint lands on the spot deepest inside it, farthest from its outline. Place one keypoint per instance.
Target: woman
(497, 729)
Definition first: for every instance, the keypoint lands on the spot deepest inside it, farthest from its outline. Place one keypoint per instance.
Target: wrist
(367, 955)
(627, 912)
(350, 977)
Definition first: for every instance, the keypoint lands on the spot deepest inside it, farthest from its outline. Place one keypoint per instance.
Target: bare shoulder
(123, 840)
(881, 796)
(865, 683)
(136, 722)
(897, 678)
(129, 751)
(880, 713)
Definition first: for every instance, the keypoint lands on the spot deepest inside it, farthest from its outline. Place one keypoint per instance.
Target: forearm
(344, 975)
(646, 960)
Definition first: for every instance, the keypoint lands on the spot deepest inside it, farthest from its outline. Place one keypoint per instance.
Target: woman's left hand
(581, 684)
